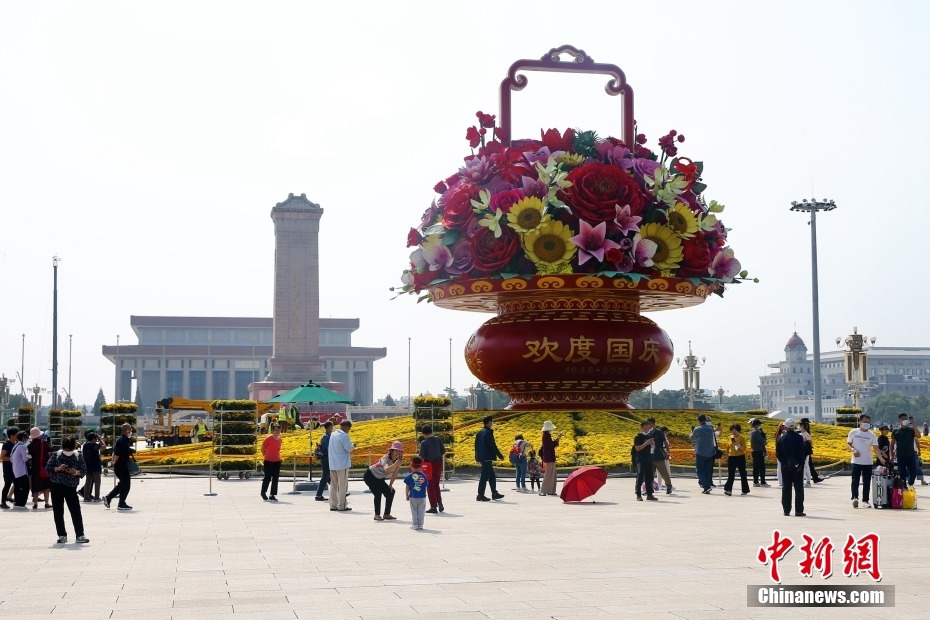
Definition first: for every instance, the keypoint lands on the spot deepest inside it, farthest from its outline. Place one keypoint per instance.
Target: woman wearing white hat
(547, 454)
(376, 475)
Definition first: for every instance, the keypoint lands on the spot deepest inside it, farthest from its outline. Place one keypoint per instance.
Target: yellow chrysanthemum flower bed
(588, 437)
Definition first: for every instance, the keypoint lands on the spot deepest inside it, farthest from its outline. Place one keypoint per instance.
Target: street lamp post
(409, 399)
(22, 368)
(55, 261)
(812, 207)
(720, 393)
(691, 369)
(69, 369)
(857, 373)
(450, 370)
(119, 374)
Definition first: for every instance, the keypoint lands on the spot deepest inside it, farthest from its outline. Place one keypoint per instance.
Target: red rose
(440, 187)
(490, 253)
(597, 189)
(413, 238)
(473, 137)
(696, 257)
(502, 201)
(456, 207)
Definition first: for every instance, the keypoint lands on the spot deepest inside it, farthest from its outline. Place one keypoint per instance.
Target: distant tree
(389, 401)
(84, 409)
(138, 400)
(101, 400)
(886, 407)
(663, 399)
(17, 400)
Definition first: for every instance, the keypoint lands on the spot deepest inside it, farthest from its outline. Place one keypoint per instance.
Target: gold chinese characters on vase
(569, 341)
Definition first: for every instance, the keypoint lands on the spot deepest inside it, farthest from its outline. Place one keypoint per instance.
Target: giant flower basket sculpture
(568, 238)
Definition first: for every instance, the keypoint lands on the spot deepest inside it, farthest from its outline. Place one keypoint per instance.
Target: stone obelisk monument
(295, 357)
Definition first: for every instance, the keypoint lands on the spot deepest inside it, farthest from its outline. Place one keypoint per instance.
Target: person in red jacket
(271, 453)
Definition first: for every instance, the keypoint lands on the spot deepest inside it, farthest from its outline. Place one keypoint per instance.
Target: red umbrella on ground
(583, 483)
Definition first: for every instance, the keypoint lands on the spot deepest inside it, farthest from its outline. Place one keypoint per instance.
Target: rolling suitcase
(881, 491)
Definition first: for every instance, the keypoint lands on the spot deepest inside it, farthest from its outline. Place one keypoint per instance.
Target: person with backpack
(433, 451)
(547, 454)
(91, 453)
(518, 460)
(20, 457)
(65, 467)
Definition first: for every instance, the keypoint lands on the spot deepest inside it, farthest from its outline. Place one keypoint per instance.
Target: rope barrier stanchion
(294, 490)
(210, 492)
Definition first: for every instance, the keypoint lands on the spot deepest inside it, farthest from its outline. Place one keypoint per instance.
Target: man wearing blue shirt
(340, 459)
(705, 445)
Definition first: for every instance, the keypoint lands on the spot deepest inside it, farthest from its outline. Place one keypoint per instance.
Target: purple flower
(614, 154)
(476, 169)
(644, 168)
(437, 256)
(592, 242)
(534, 187)
(461, 257)
(541, 155)
(725, 266)
(429, 216)
(625, 222)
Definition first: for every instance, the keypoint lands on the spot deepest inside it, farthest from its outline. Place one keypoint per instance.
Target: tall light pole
(119, 374)
(69, 368)
(450, 370)
(22, 368)
(691, 369)
(409, 399)
(812, 207)
(55, 261)
(720, 393)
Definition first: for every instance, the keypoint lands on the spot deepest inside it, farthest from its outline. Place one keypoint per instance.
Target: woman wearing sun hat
(376, 476)
(547, 454)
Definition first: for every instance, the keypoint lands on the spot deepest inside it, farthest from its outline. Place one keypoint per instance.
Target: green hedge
(234, 450)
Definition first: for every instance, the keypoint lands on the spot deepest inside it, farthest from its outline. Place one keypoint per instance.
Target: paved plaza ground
(180, 554)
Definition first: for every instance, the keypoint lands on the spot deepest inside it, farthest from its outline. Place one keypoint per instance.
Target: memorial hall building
(209, 358)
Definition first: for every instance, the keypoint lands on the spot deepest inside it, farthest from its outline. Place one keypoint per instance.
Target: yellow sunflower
(570, 159)
(549, 247)
(682, 220)
(668, 253)
(527, 215)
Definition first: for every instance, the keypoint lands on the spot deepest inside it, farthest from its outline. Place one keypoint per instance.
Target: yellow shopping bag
(910, 499)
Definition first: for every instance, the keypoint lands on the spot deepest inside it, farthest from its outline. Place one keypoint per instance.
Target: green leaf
(698, 187)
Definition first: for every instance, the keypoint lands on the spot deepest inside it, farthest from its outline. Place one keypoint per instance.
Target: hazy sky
(146, 143)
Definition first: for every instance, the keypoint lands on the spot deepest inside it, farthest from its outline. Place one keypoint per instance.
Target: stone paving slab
(180, 554)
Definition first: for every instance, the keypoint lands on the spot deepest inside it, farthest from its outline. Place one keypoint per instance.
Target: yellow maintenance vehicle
(169, 433)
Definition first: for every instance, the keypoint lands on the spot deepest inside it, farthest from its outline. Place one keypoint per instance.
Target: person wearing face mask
(863, 443)
(789, 450)
(65, 468)
(705, 446)
(902, 446)
(736, 461)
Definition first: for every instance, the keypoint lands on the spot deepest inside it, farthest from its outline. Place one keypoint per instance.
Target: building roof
(235, 350)
(228, 321)
(795, 343)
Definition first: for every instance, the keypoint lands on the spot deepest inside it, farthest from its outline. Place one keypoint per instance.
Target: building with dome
(789, 388)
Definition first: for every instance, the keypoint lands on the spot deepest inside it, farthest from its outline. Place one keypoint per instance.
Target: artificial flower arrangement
(571, 203)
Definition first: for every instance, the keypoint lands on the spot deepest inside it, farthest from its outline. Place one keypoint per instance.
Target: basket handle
(580, 63)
